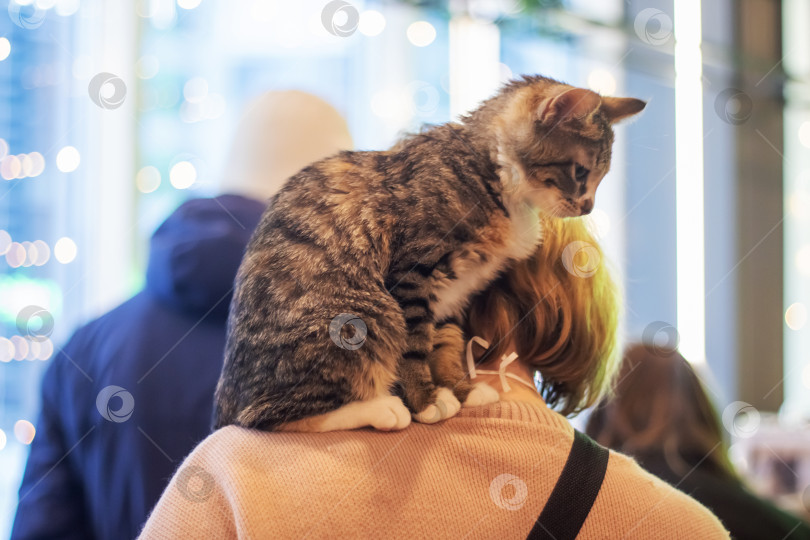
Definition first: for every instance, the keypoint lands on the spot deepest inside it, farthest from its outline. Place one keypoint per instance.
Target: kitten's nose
(586, 206)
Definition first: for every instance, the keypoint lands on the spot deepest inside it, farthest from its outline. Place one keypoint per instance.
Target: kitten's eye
(581, 173)
(549, 182)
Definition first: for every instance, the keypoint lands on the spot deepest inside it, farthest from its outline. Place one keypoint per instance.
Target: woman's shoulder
(238, 452)
(651, 508)
(237, 445)
(231, 439)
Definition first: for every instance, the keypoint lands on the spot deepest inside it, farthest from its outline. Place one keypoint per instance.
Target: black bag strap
(576, 490)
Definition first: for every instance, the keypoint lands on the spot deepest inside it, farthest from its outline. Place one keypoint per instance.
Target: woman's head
(661, 408)
(559, 311)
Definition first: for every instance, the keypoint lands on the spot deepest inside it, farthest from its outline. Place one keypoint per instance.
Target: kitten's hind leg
(386, 413)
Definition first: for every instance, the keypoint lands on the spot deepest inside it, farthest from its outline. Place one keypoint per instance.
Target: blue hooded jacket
(131, 393)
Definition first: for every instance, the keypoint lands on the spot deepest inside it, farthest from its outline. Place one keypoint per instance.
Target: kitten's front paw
(390, 414)
(481, 394)
(445, 406)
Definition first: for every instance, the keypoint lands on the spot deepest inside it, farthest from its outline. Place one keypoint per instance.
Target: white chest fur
(473, 274)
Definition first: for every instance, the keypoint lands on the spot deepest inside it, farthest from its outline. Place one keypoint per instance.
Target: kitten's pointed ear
(573, 102)
(617, 108)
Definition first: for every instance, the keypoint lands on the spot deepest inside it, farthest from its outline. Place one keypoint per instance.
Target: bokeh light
(195, 90)
(20, 347)
(31, 254)
(804, 134)
(148, 179)
(2, 439)
(6, 350)
(602, 81)
(5, 48)
(26, 165)
(15, 256)
(24, 431)
(45, 349)
(33, 351)
(796, 316)
(43, 253)
(23, 166)
(37, 164)
(10, 167)
(68, 159)
(421, 33)
(183, 175)
(188, 4)
(65, 250)
(798, 205)
(5, 241)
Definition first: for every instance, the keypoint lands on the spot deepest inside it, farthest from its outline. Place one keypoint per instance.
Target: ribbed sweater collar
(523, 411)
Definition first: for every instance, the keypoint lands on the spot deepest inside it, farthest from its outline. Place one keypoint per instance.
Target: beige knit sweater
(486, 473)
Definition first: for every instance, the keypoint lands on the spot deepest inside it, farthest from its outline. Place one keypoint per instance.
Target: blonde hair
(559, 310)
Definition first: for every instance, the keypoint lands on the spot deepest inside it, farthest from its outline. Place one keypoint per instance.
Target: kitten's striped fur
(401, 239)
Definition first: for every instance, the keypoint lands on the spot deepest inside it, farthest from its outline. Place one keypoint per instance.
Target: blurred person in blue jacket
(131, 393)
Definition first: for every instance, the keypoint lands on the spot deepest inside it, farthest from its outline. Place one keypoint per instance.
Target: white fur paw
(445, 406)
(481, 394)
(389, 414)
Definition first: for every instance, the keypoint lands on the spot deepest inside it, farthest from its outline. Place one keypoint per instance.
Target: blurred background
(113, 113)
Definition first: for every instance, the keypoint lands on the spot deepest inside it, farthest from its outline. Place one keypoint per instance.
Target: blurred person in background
(131, 393)
(662, 416)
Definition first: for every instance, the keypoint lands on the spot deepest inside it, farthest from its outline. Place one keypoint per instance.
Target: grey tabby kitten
(360, 255)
